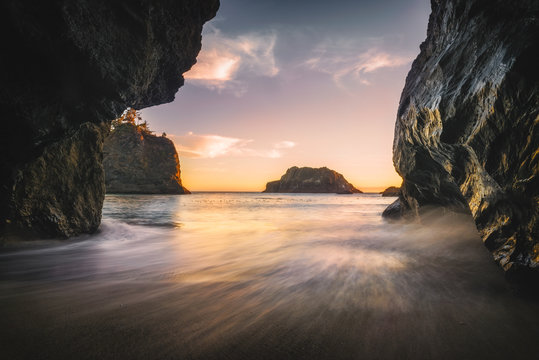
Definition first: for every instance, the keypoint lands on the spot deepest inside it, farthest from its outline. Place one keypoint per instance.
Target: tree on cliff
(134, 117)
(131, 115)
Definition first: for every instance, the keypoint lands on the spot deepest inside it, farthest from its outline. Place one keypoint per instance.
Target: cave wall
(68, 68)
(466, 135)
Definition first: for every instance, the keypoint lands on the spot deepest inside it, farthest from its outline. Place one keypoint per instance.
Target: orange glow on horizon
(255, 153)
(219, 179)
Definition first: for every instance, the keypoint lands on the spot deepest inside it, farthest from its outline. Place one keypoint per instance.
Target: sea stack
(311, 180)
(391, 191)
(466, 134)
(139, 162)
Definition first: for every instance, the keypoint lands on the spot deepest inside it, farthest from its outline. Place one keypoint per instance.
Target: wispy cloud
(224, 61)
(211, 146)
(284, 145)
(346, 61)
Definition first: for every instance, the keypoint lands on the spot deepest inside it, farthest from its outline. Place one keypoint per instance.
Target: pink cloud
(212, 146)
(223, 60)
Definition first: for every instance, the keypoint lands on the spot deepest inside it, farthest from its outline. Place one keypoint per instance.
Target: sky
(294, 83)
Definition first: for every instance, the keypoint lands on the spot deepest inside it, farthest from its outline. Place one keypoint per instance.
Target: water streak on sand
(262, 276)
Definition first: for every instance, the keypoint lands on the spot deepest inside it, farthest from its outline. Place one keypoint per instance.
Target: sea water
(262, 276)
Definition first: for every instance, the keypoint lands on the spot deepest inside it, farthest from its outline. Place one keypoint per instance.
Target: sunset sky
(283, 83)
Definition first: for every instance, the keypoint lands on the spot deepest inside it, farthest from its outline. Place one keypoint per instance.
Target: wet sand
(395, 292)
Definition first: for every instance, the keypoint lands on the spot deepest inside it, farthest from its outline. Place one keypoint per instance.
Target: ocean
(261, 276)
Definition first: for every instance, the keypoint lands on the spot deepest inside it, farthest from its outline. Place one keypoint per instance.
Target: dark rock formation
(466, 135)
(391, 191)
(40, 187)
(68, 68)
(138, 162)
(311, 180)
(393, 211)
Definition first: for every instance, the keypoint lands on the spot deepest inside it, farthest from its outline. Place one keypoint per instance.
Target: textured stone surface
(73, 65)
(311, 180)
(393, 211)
(466, 135)
(72, 163)
(138, 162)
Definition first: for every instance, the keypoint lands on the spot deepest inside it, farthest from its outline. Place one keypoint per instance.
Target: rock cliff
(138, 162)
(68, 69)
(311, 180)
(466, 135)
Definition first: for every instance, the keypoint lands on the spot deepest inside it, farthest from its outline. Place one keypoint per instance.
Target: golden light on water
(209, 274)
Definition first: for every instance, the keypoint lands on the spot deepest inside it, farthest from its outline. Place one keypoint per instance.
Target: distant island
(138, 162)
(391, 191)
(311, 180)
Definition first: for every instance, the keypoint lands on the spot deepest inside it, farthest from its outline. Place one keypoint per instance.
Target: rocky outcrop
(391, 191)
(393, 211)
(466, 135)
(68, 68)
(138, 162)
(73, 163)
(311, 180)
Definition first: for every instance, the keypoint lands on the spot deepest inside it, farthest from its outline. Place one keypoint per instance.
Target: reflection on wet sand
(251, 276)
